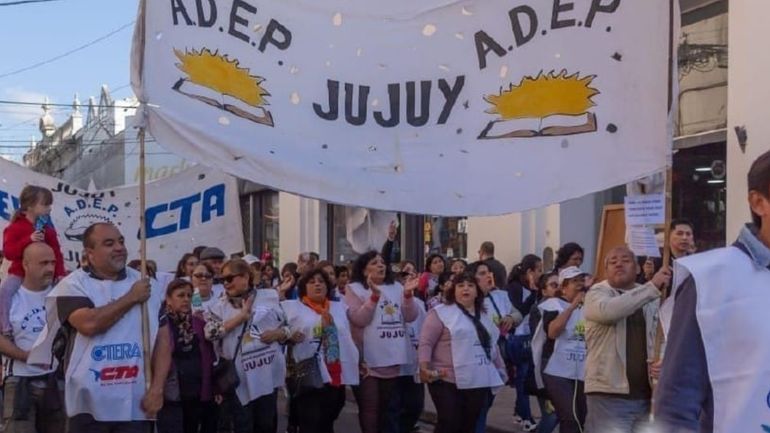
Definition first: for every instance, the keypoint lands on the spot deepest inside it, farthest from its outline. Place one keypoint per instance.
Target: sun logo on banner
(212, 77)
(549, 104)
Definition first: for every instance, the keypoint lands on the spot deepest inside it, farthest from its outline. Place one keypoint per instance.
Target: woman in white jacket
(250, 327)
(323, 332)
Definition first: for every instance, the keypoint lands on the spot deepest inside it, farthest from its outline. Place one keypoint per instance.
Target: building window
(340, 249)
(700, 192)
(270, 216)
(260, 216)
(446, 236)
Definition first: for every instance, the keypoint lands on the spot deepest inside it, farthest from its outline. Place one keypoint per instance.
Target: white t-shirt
(28, 318)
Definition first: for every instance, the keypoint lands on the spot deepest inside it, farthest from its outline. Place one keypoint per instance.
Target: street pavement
(499, 420)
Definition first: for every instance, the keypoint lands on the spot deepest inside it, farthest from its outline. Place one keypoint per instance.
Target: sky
(35, 32)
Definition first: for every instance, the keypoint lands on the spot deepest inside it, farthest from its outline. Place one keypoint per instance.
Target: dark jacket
(498, 269)
(207, 358)
(516, 293)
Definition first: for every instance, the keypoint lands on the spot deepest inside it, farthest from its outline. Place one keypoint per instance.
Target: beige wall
(748, 101)
(289, 230)
(504, 231)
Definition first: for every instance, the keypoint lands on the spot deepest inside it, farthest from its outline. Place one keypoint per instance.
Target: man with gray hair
(620, 329)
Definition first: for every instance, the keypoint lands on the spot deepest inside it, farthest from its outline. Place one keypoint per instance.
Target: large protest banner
(446, 107)
(196, 207)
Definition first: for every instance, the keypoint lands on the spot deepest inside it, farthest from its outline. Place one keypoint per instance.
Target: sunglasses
(229, 278)
(203, 276)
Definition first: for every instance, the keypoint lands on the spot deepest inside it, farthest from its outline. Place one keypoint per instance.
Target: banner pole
(659, 334)
(146, 354)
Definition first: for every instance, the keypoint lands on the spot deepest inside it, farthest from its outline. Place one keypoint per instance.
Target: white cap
(250, 259)
(569, 273)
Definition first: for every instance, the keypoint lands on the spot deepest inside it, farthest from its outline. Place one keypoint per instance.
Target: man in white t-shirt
(96, 311)
(31, 397)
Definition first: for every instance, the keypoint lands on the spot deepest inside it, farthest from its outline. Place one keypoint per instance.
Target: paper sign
(645, 210)
(642, 241)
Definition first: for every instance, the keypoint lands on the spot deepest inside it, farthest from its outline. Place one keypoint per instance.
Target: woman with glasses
(323, 322)
(189, 405)
(202, 279)
(379, 307)
(249, 327)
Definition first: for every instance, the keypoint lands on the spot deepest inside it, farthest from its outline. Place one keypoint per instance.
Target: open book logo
(549, 104)
(218, 81)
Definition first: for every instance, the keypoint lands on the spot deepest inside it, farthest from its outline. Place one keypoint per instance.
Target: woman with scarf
(458, 357)
(379, 308)
(325, 334)
(189, 405)
(499, 309)
(249, 327)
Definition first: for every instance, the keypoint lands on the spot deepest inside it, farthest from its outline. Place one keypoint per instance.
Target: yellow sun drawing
(390, 310)
(212, 75)
(542, 96)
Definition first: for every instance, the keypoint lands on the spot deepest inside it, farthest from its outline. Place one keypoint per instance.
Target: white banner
(199, 206)
(444, 107)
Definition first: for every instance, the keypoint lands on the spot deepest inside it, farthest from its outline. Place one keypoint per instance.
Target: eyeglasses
(229, 278)
(203, 276)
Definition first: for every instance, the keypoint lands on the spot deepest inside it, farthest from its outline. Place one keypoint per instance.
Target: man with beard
(98, 310)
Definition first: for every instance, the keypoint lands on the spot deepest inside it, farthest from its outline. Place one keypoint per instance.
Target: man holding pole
(620, 318)
(98, 312)
(715, 375)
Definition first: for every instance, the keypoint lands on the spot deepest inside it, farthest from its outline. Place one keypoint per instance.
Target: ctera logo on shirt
(117, 374)
(116, 352)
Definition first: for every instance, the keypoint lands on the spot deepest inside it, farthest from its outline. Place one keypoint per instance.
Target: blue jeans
(520, 353)
(548, 420)
(608, 414)
(481, 423)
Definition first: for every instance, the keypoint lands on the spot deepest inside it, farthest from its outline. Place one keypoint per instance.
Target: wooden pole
(146, 353)
(659, 335)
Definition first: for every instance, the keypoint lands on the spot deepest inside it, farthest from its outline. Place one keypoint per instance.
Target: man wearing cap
(214, 257)
(620, 327)
(715, 376)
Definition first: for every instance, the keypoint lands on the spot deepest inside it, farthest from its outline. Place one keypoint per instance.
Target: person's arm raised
(95, 321)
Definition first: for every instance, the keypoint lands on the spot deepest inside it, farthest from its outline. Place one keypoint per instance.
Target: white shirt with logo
(386, 342)
(105, 376)
(28, 319)
(261, 367)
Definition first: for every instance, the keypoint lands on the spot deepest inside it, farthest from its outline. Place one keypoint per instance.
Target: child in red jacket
(30, 223)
